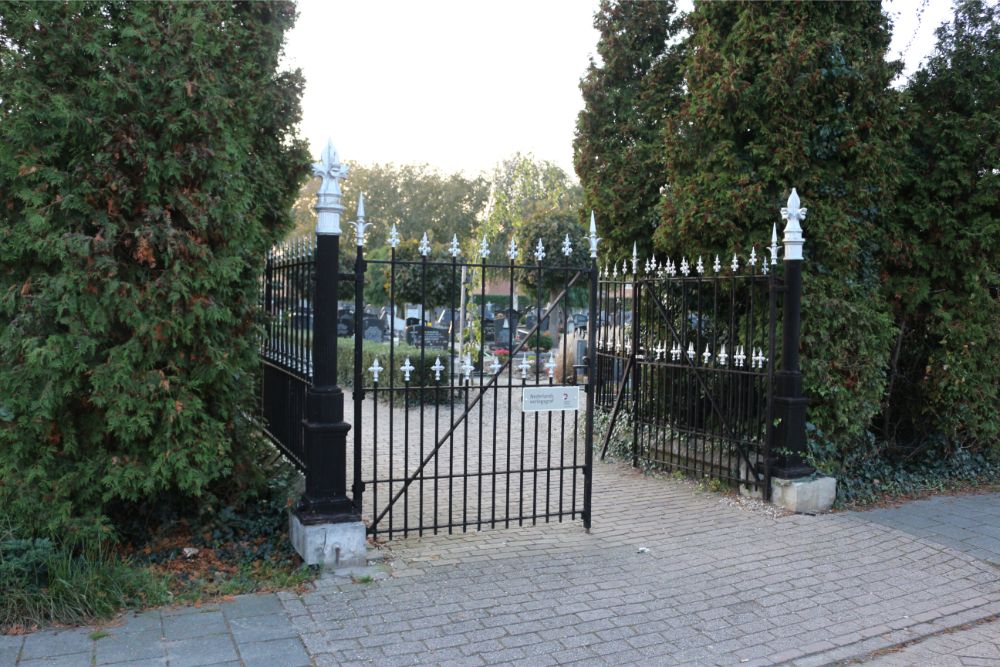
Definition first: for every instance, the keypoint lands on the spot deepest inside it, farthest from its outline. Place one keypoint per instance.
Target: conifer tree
(783, 95)
(943, 251)
(618, 150)
(148, 159)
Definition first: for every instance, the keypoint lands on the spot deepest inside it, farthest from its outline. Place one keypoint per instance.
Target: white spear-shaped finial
(375, 369)
(425, 245)
(735, 264)
(524, 366)
(635, 258)
(407, 368)
(722, 355)
(453, 247)
(593, 237)
(467, 367)
(394, 237)
(793, 215)
(567, 246)
(700, 266)
(718, 265)
(539, 251)
(685, 267)
(706, 355)
(437, 368)
(774, 244)
(484, 248)
(740, 356)
(512, 250)
(690, 351)
(550, 365)
(360, 226)
(753, 256)
(495, 365)
(675, 351)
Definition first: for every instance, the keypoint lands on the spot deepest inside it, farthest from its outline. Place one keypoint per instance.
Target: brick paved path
(667, 576)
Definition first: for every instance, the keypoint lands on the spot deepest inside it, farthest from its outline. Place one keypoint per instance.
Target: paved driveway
(667, 576)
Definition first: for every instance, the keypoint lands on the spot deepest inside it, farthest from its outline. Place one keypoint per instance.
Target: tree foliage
(795, 94)
(618, 149)
(942, 277)
(147, 161)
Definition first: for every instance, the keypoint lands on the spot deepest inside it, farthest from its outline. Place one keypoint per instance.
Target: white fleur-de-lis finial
(539, 251)
(495, 365)
(659, 349)
(567, 246)
(550, 365)
(690, 351)
(394, 237)
(360, 226)
(593, 238)
(614, 270)
(675, 352)
(793, 215)
(652, 264)
(718, 265)
(524, 366)
(624, 267)
(700, 266)
(735, 264)
(774, 244)
(467, 367)
(375, 369)
(512, 250)
(759, 359)
(722, 355)
(685, 267)
(740, 357)
(706, 355)
(407, 368)
(671, 268)
(425, 245)
(328, 204)
(484, 248)
(453, 246)
(437, 368)
(753, 256)
(635, 258)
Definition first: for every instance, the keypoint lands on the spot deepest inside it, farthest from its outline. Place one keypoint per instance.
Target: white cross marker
(437, 368)
(375, 369)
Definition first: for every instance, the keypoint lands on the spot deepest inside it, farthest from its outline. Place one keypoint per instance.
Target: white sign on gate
(550, 399)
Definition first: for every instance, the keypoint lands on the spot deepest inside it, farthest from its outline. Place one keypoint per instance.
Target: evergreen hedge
(148, 159)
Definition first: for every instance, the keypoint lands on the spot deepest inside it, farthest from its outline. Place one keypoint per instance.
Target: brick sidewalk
(667, 576)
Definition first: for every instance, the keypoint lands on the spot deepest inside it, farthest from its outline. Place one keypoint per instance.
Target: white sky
(463, 84)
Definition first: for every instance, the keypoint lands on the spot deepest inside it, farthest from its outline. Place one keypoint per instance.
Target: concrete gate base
(329, 544)
(804, 496)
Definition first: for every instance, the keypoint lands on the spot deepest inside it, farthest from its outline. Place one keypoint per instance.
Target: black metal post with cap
(790, 405)
(325, 499)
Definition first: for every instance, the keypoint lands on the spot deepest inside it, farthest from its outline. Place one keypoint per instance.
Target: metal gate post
(633, 357)
(588, 472)
(790, 404)
(325, 527)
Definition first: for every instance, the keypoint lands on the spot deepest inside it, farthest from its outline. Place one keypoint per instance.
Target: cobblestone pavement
(668, 576)
(976, 646)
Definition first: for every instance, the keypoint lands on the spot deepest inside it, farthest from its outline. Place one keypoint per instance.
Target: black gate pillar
(325, 526)
(790, 404)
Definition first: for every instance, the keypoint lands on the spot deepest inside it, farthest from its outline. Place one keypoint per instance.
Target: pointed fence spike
(735, 264)
(393, 237)
(567, 246)
(425, 245)
(454, 249)
(484, 248)
(593, 238)
(539, 251)
(512, 250)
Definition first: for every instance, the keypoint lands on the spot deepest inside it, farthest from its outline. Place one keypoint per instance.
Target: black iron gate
(448, 441)
(685, 352)
(688, 351)
(482, 419)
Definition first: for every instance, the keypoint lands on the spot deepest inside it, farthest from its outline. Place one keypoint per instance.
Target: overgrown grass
(46, 580)
(231, 550)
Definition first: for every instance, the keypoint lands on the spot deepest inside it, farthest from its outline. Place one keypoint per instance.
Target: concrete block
(329, 544)
(804, 495)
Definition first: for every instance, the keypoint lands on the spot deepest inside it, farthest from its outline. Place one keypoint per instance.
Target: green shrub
(148, 161)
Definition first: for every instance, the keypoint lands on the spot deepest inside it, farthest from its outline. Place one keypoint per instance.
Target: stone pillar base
(805, 496)
(329, 544)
